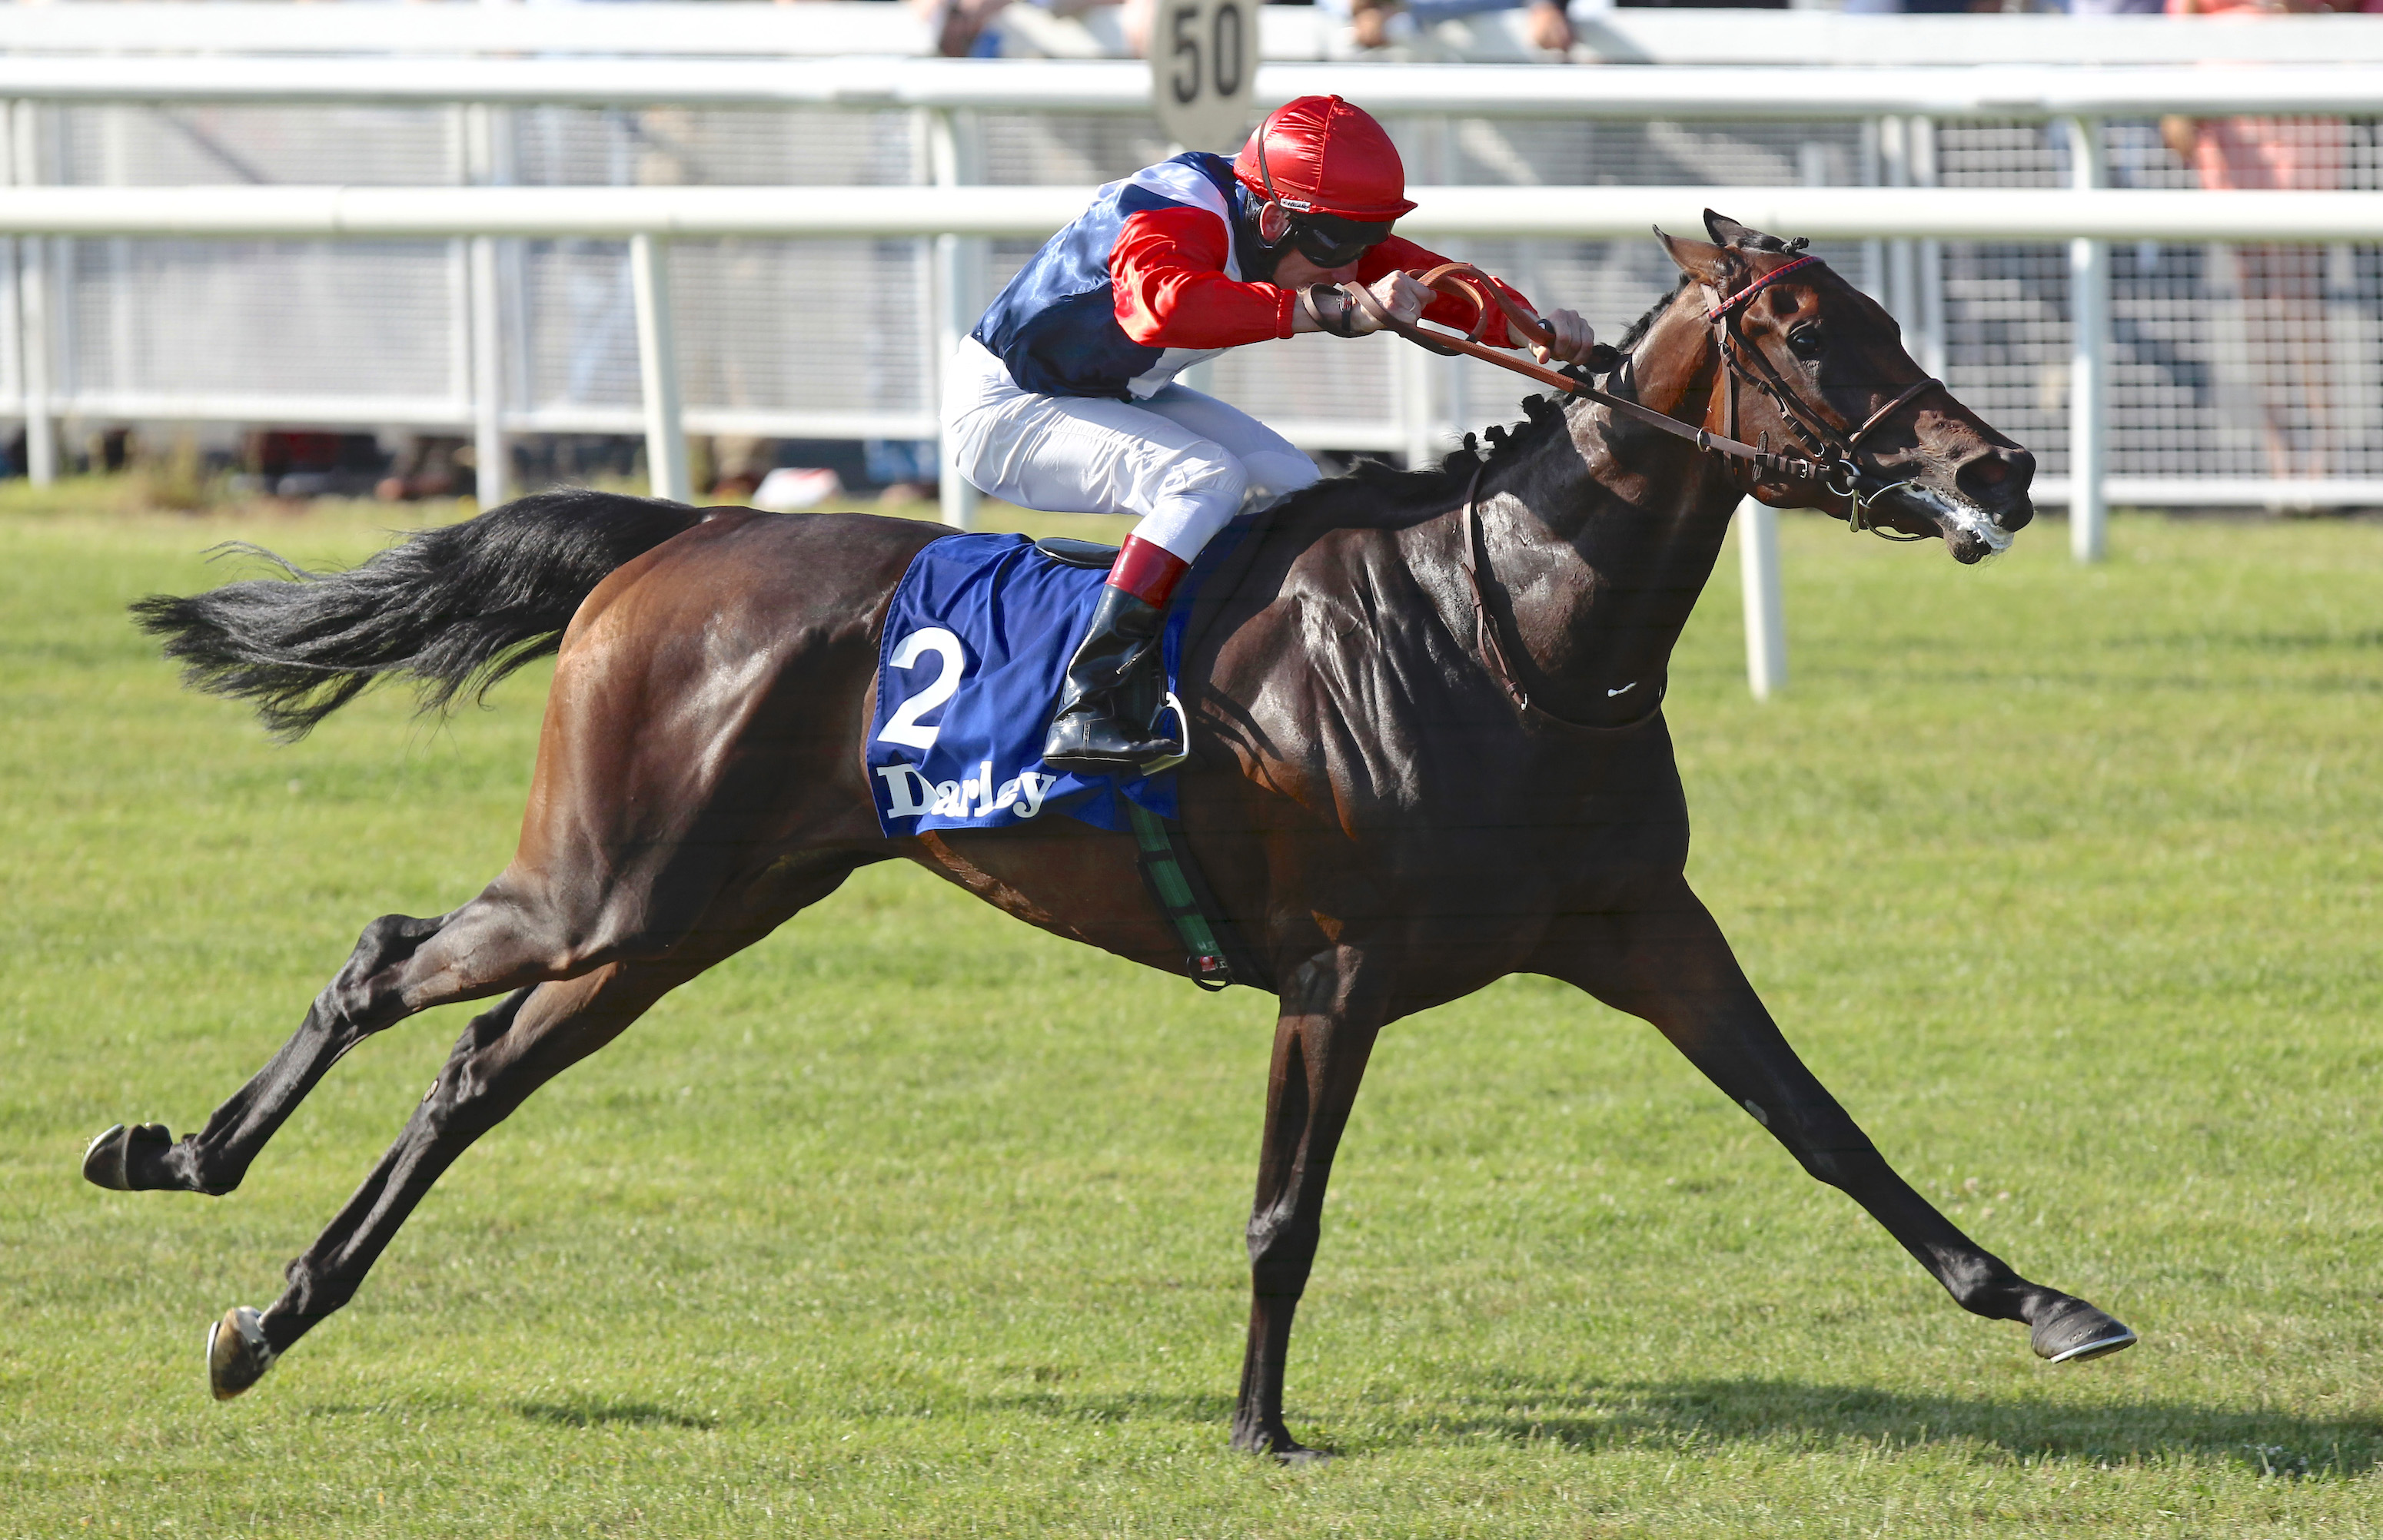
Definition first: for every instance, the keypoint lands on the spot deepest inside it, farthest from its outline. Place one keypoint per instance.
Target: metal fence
(2239, 373)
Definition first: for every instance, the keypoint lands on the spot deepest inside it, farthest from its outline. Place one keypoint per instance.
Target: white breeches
(1180, 460)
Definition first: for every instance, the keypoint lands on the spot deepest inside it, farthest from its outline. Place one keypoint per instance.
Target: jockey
(1063, 398)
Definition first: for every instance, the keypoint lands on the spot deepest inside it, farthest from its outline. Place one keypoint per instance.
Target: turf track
(2065, 880)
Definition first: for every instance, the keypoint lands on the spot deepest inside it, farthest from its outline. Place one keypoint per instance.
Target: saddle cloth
(968, 673)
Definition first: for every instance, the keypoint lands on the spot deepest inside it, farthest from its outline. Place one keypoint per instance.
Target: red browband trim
(1766, 280)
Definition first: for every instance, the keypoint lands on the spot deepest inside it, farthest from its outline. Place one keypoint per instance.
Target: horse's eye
(1807, 341)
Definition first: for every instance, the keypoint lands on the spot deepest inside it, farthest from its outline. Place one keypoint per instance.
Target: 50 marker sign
(1203, 65)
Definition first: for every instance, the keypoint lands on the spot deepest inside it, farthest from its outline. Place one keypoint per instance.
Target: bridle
(1829, 444)
(1832, 461)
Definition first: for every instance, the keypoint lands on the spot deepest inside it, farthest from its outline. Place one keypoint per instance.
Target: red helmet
(1318, 155)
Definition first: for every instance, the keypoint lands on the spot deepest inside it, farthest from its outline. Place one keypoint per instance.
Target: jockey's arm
(1168, 274)
(1171, 291)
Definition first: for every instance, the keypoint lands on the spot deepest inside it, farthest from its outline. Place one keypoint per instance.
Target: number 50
(1221, 50)
(1203, 61)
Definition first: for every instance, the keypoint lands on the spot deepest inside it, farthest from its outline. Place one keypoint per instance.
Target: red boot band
(1147, 571)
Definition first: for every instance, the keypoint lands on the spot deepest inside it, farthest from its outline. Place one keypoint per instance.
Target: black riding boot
(1090, 735)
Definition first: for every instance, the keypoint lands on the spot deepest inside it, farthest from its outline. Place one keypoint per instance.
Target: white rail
(1733, 94)
(828, 212)
(652, 216)
(943, 88)
(2085, 215)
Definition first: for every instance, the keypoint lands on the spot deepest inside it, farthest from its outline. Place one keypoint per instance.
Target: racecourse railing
(941, 96)
(650, 217)
(478, 63)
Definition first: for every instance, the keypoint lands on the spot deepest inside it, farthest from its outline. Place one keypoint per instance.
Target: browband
(1765, 281)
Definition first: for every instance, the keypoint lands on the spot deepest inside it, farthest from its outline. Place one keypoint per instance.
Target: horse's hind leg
(560, 910)
(530, 1036)
(507, 1052)
(382, 983)
(1669, 962)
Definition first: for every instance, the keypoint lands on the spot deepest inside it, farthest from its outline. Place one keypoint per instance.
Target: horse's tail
(458, 608)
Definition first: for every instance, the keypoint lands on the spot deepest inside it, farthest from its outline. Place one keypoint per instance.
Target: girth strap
(1210, 949)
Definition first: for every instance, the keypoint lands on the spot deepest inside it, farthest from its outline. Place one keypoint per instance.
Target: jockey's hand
(1572, 337)
(1399, 294)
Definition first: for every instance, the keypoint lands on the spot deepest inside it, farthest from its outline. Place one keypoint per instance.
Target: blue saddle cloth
(968, 673)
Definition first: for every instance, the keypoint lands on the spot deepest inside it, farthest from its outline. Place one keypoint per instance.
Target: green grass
(2065, 880)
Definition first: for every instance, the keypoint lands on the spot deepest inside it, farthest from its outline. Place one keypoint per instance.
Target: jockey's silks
(1149, 281)
(1057, 326)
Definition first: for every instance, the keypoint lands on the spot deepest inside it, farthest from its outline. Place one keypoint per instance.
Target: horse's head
(1816, 368)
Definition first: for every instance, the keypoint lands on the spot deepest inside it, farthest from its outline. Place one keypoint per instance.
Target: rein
(1830, 466)
(1464, 281)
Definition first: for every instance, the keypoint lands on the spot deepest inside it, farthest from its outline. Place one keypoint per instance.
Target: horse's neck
(1608, 534)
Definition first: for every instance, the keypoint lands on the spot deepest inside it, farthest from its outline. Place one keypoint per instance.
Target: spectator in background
(964, 28)
(959, 26)
(1927, 7)
(1379, 23)
(2282, 287)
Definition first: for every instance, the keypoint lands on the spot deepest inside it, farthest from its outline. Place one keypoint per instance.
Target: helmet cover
(1318, 155)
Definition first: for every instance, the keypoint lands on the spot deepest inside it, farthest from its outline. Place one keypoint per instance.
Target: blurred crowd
(965, 28)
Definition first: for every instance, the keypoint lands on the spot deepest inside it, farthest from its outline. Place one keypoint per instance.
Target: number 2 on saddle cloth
(975, 649)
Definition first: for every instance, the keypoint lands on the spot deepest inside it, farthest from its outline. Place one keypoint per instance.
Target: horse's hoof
(1279, 1447)
(237, 1354)
(2076, 1331)
(122, 1159)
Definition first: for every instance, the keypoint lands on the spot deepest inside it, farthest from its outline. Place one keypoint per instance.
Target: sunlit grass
(913, 1221)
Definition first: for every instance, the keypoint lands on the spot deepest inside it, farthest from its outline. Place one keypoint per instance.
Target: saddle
(1077, 553)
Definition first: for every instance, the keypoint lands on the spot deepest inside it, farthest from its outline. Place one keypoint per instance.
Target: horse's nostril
(1997, 475)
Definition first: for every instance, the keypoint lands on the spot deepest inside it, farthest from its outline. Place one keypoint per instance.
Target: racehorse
(1429, 752)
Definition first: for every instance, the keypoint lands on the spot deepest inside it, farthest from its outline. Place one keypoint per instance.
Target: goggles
(1332, 241)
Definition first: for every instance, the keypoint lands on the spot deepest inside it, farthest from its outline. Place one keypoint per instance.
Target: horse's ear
(1714, 266)
(1726, 231)
(1745, 238)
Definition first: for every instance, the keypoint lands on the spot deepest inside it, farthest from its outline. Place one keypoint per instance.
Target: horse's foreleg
(1322, 1039)
(1669, 962)
(531, 1036)
(400, 966)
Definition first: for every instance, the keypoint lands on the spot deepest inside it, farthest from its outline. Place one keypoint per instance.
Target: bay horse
(1429, 752)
